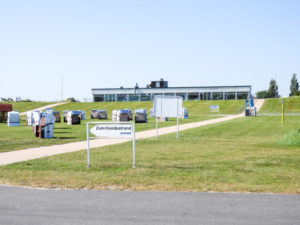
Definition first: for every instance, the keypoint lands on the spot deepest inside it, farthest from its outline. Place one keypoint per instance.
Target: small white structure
(29, 118)
(13, 119)
(130, 114)
(114, 115)
(35, 118)
(73, 117)
(65, 115)
(82, 114)
(120, 115)
(49, 121)
(141, 116)
(99, 114)
(103, 114)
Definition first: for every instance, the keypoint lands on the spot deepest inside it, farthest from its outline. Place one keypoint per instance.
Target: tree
(273, 89)
(262, 94)
(294, 88)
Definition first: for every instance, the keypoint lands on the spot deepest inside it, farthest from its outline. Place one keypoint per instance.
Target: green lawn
(195, 108)
(15, 138)
(242, 155)
(26, 106)
(291, 105)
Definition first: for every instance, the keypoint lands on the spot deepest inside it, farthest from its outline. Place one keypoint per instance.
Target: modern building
(161, 88)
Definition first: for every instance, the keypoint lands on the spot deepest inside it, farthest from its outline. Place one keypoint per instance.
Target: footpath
(35, 153)
(44, 107)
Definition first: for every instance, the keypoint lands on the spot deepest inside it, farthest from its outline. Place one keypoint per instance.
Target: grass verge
(240, 155)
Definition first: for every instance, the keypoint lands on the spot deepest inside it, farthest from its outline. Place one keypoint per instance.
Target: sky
(107, 44)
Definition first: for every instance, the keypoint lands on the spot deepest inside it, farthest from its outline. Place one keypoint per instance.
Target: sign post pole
(133, 166)
(88, 145)
(177, 120)
(282, 111)
(156, 128)
(177, 127)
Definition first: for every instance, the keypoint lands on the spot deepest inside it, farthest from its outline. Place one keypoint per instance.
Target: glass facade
(191, 96)
(121, 98)
(110, 98)
(146, 97)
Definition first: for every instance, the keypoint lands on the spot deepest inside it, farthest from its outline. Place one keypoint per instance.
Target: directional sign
(113, 130)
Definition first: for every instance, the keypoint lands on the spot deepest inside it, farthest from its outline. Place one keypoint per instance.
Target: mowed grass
(274, 105)
(15, 138)
(26, 106)
(243, 155)
(195, 108)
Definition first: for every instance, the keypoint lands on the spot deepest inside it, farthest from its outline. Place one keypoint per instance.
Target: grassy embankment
(243, 155)
(25, 106)
(274, 106)
(14, 138)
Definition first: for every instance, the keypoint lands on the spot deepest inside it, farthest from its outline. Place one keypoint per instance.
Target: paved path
(34, 153)
(46, 207)
(44, 107)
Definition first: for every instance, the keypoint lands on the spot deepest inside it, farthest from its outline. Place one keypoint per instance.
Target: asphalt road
(39, 206)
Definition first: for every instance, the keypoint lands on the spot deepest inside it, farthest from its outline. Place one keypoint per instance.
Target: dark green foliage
(271, 93)
(273, 89)
(262, 94)
(294, 87)
(71, 99)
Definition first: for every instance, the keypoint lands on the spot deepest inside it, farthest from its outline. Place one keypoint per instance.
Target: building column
(186, 96)
(199, 96)
(139, 97)
(249, 95)
(127, 97)
(151, 96)
(104, 98)
(236, 96)
(224, 96)
(211, 96)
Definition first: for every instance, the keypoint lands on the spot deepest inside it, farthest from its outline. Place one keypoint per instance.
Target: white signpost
(110, 130)
(167, 106)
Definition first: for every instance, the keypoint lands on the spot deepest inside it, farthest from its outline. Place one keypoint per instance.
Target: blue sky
(94, 44)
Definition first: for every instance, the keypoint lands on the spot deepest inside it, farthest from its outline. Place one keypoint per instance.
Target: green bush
(292, 138)
(71, 99)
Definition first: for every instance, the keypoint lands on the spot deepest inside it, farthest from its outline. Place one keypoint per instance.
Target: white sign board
(214, 108)
(113, 131)
(168, 106)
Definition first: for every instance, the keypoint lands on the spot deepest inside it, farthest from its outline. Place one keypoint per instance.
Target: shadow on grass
(58, 128)
(64, 138)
